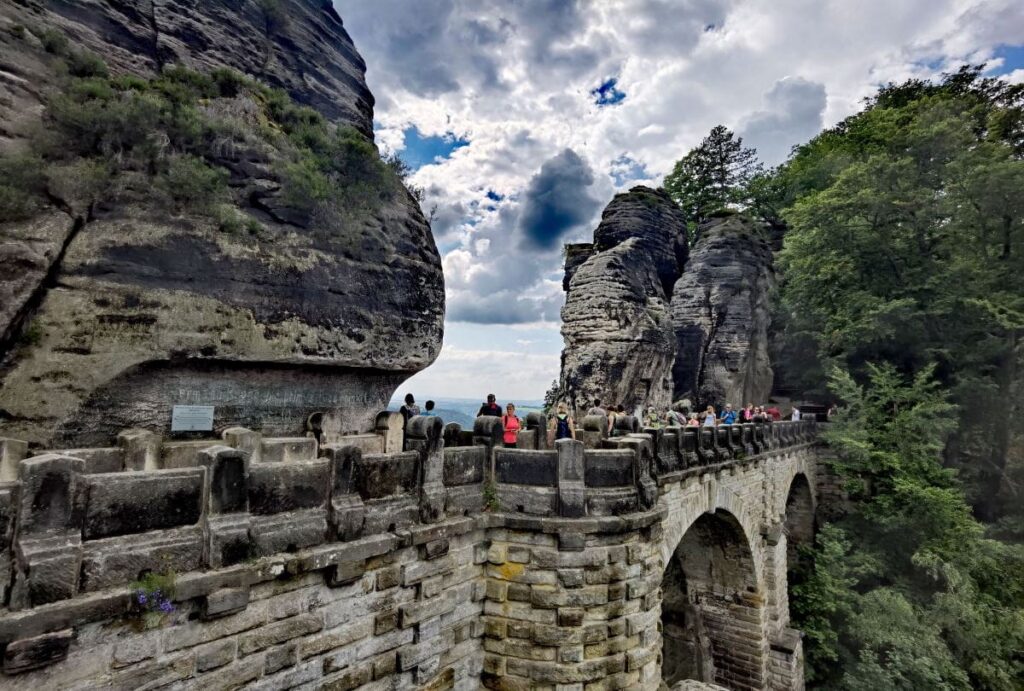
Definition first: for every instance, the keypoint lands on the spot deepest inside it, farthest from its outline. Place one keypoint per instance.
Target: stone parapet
(512, 566)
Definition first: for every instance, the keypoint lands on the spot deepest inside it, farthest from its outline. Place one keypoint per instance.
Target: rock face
(619, 343)
(721, 316)
(111, 313)
(300, 46)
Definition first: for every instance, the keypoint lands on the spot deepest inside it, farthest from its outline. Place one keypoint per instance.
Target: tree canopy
(713, 177)
(902, 274)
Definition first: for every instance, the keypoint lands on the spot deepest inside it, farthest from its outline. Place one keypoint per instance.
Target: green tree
(713, 177)
(905, 592)
(905, 244)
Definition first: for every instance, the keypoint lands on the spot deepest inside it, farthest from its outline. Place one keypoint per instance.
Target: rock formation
(721, 315)
(619, 344)
(113, 310)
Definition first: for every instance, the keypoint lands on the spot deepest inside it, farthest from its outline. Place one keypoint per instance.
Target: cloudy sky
(523, 117)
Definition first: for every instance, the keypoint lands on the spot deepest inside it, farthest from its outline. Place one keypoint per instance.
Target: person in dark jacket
(490, 407)
(410, 409)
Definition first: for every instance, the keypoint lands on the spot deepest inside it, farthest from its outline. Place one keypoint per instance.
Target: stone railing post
(140, 449)
(451, 434)
(488, 431)
(226, 506)
(736, 439)
(750, 446)
(244, 439)
(643, 449)
(538, 423)
(423, 435)
(723, 441)
(12, 451)
(655, 433)
(626, 424)
(688, 446)
(572, 492)
(392, 427)
(594, 431)
(48, 541)
(347, 511)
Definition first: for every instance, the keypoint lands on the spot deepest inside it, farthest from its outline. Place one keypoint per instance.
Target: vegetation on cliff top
(172, 141)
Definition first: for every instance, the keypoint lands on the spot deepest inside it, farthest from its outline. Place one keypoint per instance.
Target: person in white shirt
(796, 415)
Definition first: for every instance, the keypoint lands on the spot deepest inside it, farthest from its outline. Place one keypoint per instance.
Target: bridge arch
(713, 610)
(798, 519)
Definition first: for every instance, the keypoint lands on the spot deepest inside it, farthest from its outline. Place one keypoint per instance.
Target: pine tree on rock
(713, 176)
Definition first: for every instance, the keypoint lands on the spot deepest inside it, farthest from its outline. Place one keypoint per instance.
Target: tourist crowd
(563, 426)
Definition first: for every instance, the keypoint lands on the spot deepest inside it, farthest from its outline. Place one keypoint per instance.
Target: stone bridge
(417, 556)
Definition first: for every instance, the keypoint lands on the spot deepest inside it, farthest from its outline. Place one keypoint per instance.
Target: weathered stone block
(119, 560)
(533, 468)
(225, 601)
(183, 454)
(215, 655)
(126, 503)
(288, 532)
(279, 658)
(345, 572)
(227, 540)
(140, 449)
(39, 651)
(97, 460)
(46, 503)
(379, 476)
(280, 487)
(279, 632)
(245, 440)
(415, 612)
(288, 449)
(46, 570)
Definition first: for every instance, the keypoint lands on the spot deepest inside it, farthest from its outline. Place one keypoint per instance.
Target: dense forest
(901, 298)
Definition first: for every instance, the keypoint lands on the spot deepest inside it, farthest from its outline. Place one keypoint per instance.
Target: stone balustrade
(77, 526)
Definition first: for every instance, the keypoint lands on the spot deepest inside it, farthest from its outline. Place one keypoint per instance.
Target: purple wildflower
(141, 597)
(166, 607)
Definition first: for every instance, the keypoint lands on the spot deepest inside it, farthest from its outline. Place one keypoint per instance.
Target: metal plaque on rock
(192, 418)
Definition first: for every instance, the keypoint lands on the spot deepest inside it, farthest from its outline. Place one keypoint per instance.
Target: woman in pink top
(511, 424)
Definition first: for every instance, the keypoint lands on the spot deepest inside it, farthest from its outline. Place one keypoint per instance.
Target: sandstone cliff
(305, 281)
(721, 316)
(619, 344)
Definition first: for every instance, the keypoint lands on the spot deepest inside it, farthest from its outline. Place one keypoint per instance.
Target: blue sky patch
(1013, 58)
(420, 151)
(608, 94)
(625, 169)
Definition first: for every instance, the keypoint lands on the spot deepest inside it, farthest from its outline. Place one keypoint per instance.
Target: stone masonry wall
(357, 564)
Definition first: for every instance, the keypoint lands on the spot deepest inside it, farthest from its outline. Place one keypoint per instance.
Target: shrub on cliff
(168, 130)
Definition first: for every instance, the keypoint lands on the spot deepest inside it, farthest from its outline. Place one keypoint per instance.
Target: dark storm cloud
(556, 201)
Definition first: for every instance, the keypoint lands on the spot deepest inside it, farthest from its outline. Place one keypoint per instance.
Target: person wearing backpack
(512, 426)
(563, 424)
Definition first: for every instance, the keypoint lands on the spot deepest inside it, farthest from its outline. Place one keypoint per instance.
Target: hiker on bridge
(563, 424)
(512, 426)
